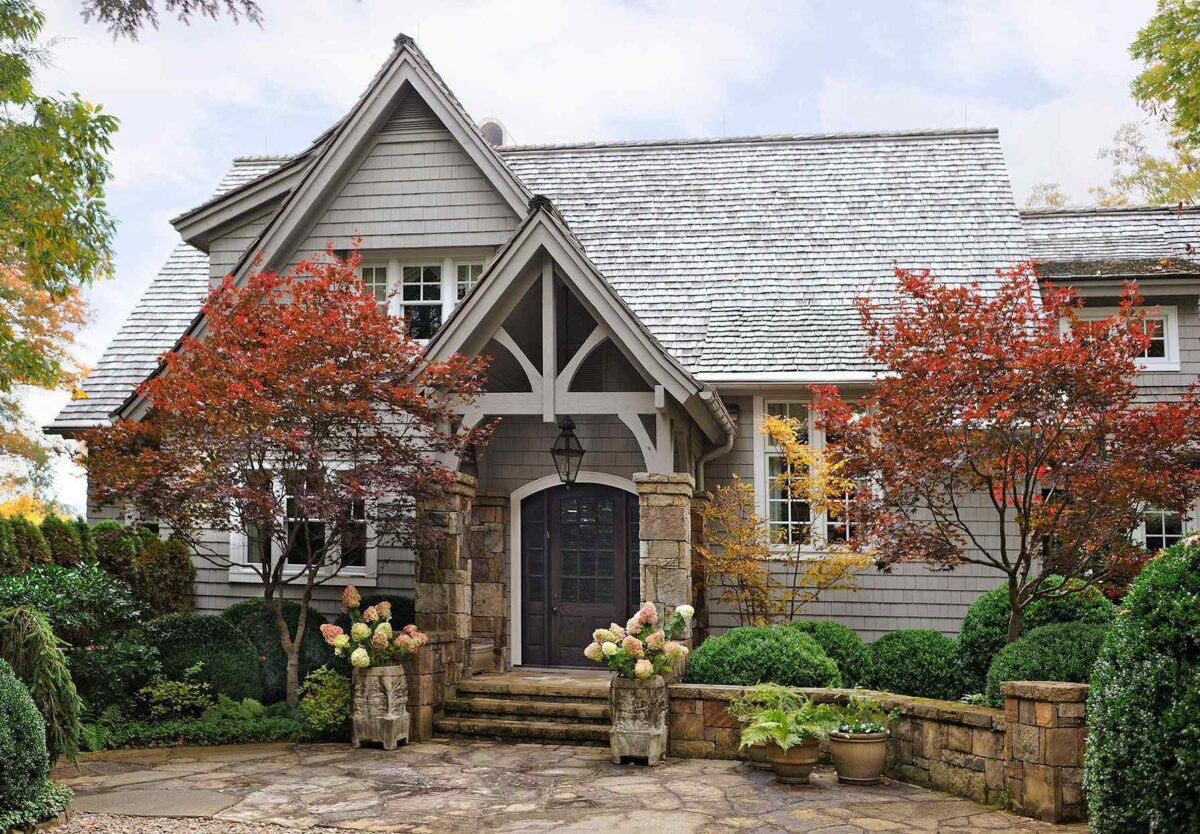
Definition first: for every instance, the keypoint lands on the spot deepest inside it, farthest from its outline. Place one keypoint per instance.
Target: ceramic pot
(792, 766)
(379, 706)
(858, 757)
(639, 719)
(756, 755)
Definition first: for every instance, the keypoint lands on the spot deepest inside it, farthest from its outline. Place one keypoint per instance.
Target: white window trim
(818, 546)
(1170, 317)
(449, 287)
(1189, 527)
(240, 571)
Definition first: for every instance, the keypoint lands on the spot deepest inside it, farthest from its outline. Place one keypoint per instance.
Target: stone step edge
(533, 690)
(565, 712)
(522, 729)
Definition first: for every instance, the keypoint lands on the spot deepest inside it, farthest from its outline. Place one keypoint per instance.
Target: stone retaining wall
(432, 673)
(1028, 757)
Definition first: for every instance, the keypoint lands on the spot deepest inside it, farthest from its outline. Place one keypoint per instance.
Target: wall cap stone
(1052, 691)
(663, 478)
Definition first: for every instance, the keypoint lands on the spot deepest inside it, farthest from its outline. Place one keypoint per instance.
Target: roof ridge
(263, 157)
(848, 136)
(1147, 208)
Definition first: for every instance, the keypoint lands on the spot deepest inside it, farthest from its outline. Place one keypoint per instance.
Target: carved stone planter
(639, 719)
(380, 706)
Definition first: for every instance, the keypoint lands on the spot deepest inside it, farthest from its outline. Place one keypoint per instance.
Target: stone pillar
(432, 674)
(665, 529)
(489, 601)
(1045, 735)
(443, 598)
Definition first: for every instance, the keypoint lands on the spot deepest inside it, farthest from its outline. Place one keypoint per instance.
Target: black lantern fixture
(567, 452)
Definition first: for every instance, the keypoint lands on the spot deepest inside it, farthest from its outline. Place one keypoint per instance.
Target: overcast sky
(1052, 75)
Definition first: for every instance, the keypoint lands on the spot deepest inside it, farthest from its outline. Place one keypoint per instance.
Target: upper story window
(789, 518)
(1162, 325)
(423, 291)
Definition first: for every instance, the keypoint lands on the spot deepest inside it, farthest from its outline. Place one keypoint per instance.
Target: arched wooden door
(579, 565)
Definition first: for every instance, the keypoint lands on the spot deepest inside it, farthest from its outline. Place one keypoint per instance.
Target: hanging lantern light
(567, 452)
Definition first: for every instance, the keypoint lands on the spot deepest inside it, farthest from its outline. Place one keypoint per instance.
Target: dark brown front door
(579, 561)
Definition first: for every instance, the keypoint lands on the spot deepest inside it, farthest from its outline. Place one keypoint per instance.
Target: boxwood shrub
(984, 630)
(844, 647)
(24, 763)
(1055, 652)
(30, 543)
(63, 540)
(919, 662)
(253, 619)
(773, 654)
(10, 562)
(115, 546)
(164, 577)
(230, 664)
(1142, 762)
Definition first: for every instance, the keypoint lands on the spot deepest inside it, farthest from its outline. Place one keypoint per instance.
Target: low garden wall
(1028, 757)
(432, 674)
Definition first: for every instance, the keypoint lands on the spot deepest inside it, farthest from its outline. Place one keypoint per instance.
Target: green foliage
(1166, 47)
(84, 604)
(30, 543)
(230, 662)
(164, 577)
(984, 630)
(771, 654)
(187, 697)
(254, 620)
(24, 763)
(63, 540)
(198, 732)
(325, 703)
(115, 546)
(844, 646)
(112, 674)
(1055, 652)
(87, 544)
(863, 714)
(48, 800)
(788, 726)
(227, 709)
(1142, 762)
(919, 662)
(10, 561)
(37, 658)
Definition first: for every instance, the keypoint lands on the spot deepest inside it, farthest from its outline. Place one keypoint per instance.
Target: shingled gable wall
(1028, 757)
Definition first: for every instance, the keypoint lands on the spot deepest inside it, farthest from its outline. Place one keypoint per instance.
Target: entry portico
(570, 558)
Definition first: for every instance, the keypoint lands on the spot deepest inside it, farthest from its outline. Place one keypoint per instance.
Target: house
(664, 295)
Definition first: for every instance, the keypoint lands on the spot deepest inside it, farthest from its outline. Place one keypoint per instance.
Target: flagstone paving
(455, 787)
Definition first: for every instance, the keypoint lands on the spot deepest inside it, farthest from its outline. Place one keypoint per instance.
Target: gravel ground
(81, 823)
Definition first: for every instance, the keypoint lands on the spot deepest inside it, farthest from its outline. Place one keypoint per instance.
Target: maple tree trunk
(1017, 612)
(291, 648)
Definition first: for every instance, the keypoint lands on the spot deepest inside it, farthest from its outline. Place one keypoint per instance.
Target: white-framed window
(422, 290)
(1162, 323)
(1161, 529)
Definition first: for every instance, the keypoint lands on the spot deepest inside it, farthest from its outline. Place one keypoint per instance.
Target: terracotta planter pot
(380, 706)
(792, 766)
(858, 758)
(639, 719)
(756, 756)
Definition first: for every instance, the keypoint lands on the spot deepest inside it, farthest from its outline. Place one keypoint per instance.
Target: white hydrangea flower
(360, 631)
(609, 649)
(359, 658)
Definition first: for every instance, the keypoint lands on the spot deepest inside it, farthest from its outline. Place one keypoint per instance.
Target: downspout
(712, 400)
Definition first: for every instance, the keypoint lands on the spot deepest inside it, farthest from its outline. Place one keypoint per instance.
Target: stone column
(665, 529)
(443, 598)
(489, 601)
(1045, 735)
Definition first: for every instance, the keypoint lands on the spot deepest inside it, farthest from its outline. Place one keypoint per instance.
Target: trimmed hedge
(24, 763)
(10, 560)
(1142, 762)
(844, 647)
(984, 630)
(87, 544)
(63, 540)
(197, 733)
(1055, 652)
(115, 547)
(253, 619)
(230, 661)
(164, 577)
(772, 654)
(919, 662)
(30, 544)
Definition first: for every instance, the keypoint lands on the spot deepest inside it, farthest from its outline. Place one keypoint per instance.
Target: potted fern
(859, 745)
(753, 701)
(792, 735)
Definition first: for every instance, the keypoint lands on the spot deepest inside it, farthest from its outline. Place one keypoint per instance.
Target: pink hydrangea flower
(594, 653)
(370, 615)
(656, 641)
(379, 640)
(648, 614)
(410, 629)
(634, 625)
(675, 650)
(384, 609)
(617, 630)
(405, 643)
(330, 632)
(643, 669)
(633, 646)
(350, 598)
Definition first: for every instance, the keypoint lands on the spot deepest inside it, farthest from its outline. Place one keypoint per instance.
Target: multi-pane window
(305, 538)
(467, 275)
(375, 281)
(1163, 529)
(838, 526)
(421, 297)
(1156, 328)
(354, 536)
(1160, 323)
(788, 516)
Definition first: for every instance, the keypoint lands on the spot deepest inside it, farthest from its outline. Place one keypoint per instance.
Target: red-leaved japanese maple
(302, 421)
(1005, 431)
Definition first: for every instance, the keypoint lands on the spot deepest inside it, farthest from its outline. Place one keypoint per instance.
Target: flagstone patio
(448, 787)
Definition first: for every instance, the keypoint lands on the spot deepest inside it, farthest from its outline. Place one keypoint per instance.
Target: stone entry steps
(535, 705)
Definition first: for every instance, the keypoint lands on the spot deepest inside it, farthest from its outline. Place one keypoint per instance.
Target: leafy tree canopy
(1169, 84)
(127, 18)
